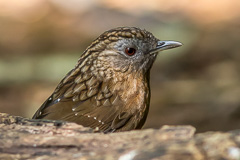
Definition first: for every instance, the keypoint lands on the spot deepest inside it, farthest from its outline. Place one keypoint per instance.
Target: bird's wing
(84, 99)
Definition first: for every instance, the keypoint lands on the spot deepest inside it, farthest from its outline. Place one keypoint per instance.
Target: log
(23, 138)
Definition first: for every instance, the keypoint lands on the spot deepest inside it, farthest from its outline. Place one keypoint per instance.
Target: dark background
(197, 84)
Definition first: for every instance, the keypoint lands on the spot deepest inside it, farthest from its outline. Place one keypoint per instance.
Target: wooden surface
(23, 138)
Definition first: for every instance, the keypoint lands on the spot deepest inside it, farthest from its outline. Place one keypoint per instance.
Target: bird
(108, 89)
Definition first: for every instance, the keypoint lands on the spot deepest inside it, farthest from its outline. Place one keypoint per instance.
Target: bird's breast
(134, 91)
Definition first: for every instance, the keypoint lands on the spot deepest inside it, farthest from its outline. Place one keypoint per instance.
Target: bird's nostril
(160, 43)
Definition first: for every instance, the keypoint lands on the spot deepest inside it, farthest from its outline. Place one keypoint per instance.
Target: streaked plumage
(109, 87)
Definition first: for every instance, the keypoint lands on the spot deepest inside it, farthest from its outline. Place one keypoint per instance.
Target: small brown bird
(109, 87)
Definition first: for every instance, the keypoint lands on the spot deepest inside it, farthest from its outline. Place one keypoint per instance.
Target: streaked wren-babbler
(109, 87)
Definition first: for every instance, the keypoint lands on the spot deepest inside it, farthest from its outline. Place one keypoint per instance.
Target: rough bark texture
(23, 138)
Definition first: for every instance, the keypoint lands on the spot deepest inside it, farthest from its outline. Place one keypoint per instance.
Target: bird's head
(125, 49)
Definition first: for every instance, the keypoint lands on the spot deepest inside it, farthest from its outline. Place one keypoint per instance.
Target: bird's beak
(163, 45)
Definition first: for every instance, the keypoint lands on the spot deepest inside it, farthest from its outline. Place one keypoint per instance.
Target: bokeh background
(197, 84)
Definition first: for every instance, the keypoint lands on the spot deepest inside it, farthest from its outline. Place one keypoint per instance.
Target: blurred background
(196, 84)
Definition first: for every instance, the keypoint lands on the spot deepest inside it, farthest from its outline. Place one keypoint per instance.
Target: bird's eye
(130, 51)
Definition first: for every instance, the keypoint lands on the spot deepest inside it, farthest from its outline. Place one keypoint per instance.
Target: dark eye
(130, 51)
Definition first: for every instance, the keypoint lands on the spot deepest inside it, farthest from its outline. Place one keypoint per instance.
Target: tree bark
(23, 138)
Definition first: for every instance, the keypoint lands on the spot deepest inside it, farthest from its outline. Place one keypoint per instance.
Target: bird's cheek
(121, 67)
